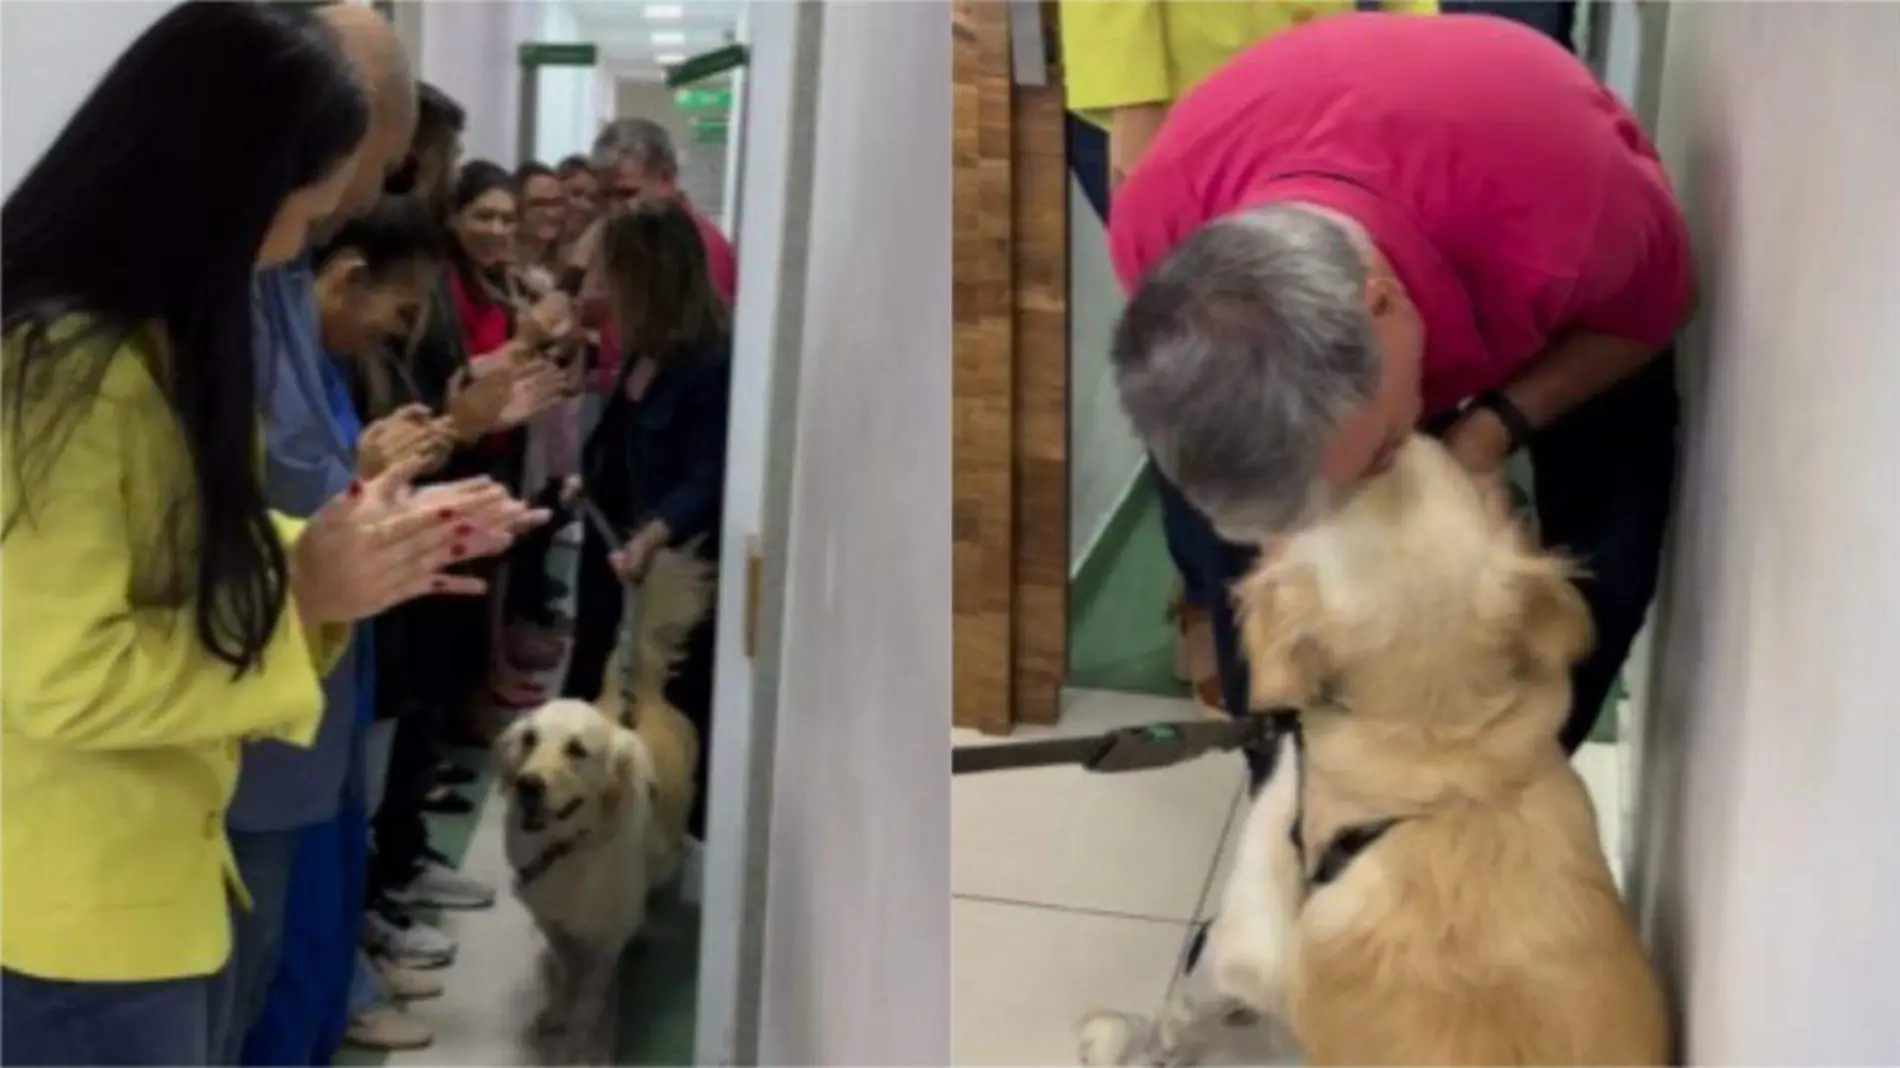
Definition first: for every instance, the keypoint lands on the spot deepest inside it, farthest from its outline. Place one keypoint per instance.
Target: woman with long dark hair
(156, 613)
(656, 463)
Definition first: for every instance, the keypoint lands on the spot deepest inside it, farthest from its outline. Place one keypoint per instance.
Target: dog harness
(1345, 845)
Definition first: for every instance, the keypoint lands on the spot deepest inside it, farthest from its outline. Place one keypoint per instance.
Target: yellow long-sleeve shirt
(119, 733)
(1122, 53)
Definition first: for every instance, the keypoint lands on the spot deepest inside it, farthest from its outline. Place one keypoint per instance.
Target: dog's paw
(1110, 1037)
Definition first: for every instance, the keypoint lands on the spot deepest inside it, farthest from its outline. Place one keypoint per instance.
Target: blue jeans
(163, 1022)
(265, 861)
(307, 1008)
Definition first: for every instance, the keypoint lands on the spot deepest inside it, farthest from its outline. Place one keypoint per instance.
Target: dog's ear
(627, 771)
(1550, 622)
(1280, 631)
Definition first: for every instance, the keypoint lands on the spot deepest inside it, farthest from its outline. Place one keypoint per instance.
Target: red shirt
(721, 262)
(484, 320)
(1514, 195)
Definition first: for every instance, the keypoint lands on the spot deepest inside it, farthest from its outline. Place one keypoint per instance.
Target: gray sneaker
(438, 886)
(387, 1028)
(406, 941)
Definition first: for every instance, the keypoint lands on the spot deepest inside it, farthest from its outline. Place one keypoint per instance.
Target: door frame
(774, 159)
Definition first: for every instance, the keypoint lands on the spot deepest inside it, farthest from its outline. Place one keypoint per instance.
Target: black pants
(434, 654)
(1552, 18)
(1604, 476)
(598, 604)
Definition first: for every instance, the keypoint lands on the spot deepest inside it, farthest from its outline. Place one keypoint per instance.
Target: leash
(1156, 745)
(1163, 745)
(630, 611)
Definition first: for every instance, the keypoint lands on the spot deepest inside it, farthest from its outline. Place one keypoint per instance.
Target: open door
(1011, 367)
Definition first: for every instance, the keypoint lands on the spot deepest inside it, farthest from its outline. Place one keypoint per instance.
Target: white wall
(469, 51)
(51, 55)
(1769, 862)
(567, 101)
(857, 920)
(1105, 457)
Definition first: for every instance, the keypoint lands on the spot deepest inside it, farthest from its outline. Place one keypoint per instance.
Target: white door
(772, 191)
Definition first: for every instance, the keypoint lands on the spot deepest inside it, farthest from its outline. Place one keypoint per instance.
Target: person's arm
(688, 510)
(1117, 72)
(86, 667)
(303, 465)
(326, 643)
(1637, 292)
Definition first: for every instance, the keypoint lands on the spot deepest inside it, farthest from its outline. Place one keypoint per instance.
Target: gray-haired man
(1374, 223)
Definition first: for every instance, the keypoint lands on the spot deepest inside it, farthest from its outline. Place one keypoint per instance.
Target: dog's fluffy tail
(675, 596)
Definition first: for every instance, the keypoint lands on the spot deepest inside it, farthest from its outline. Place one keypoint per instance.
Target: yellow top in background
(1124, 53)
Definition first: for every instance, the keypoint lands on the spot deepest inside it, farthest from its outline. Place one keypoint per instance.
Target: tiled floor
(1076, 891)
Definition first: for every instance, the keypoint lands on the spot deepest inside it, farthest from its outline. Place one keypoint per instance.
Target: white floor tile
(1210, 895)
(1140, 844)
(1022, 976)
(494, 988)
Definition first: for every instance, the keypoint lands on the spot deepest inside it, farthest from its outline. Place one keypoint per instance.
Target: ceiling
(640, 37)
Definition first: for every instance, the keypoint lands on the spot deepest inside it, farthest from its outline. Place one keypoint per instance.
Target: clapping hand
(406, 432)
(384, 542)
(535, 390)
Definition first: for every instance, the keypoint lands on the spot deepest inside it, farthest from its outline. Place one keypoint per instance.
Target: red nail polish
(355, 490)
(463, 530)
(446, 514)
(458, 550)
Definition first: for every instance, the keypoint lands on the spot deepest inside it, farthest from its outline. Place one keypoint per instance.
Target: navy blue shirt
(664, 455)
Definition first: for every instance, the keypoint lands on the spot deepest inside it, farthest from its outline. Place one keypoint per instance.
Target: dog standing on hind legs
(1421, 881)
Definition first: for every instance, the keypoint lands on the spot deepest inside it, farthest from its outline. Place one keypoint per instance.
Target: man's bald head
(390, 83)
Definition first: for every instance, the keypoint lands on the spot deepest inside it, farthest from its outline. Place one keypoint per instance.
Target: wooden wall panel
(983, 387)
(1039, 211)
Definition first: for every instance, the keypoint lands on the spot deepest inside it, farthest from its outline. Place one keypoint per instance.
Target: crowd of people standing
(295, 403)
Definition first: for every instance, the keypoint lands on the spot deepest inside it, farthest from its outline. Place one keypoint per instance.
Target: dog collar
(557, 851)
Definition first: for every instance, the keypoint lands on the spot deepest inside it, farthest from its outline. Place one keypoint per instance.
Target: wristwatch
(1516, 426)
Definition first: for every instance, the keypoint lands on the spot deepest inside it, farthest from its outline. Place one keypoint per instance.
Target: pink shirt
(721, 262)
(1515, 197)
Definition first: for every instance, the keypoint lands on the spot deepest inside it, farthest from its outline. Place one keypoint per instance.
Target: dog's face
(564, 759)
(1418, 593)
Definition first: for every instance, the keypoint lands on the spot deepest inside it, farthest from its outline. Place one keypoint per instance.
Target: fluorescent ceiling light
(669, 59)
(665, 11)
(668, 37)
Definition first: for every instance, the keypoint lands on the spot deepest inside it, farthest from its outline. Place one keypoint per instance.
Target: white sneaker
(438, 886)
(408, 984)
(406, 941)
(692, 876)
(387, 1028)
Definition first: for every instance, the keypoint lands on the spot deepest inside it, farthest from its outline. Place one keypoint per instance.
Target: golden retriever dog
(580, 791)
(1421, 881)
(673, 597)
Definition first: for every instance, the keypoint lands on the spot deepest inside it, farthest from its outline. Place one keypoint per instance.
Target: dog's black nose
(531, 789)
